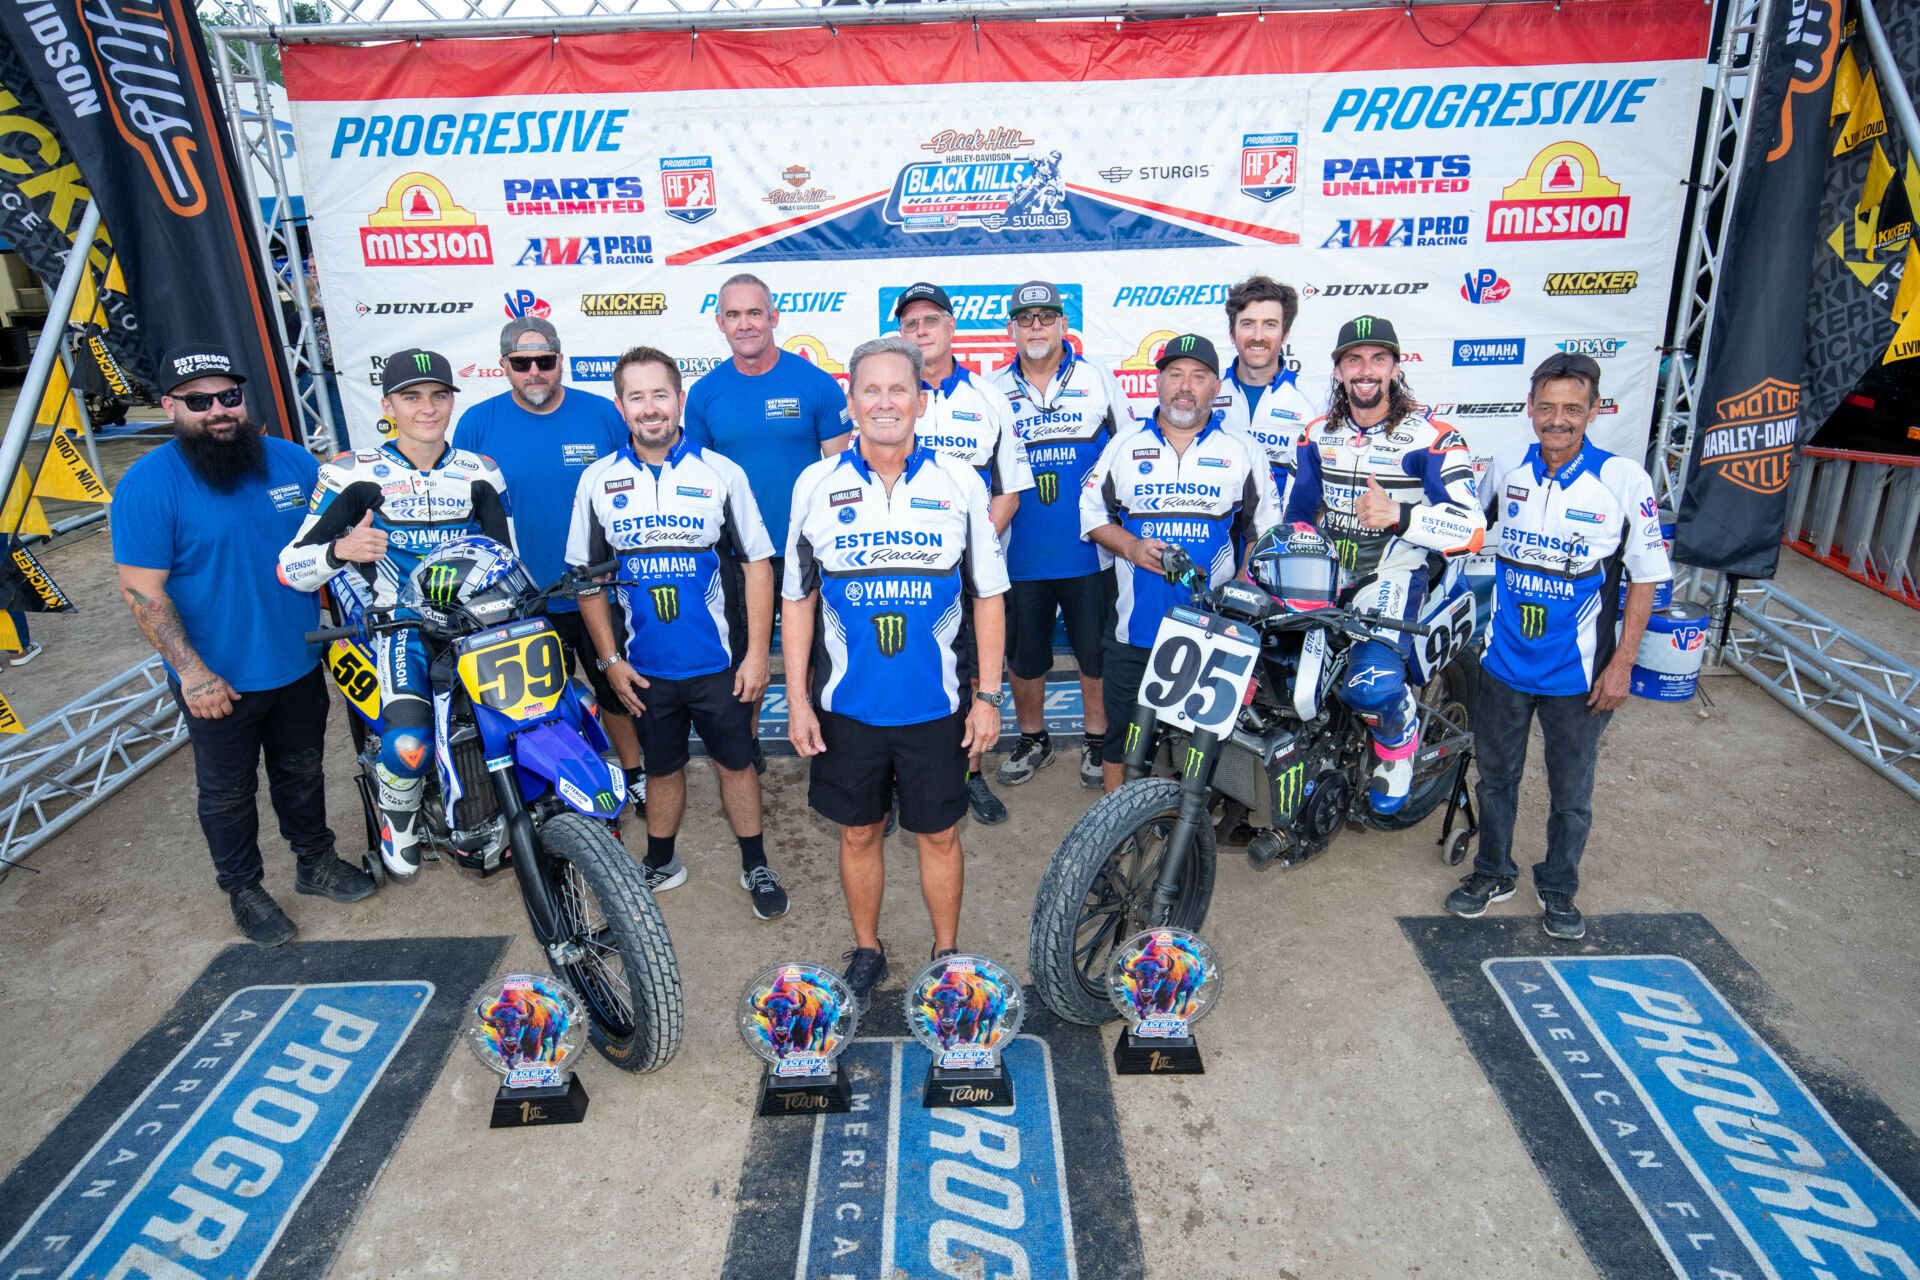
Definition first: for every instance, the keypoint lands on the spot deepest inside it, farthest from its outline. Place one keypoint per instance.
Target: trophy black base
(542, 1104)
(968, 1087)
(1154, 1056)
(806, 1096)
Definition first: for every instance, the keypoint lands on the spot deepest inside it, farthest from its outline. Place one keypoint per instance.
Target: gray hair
(893, 344)
(745, 277)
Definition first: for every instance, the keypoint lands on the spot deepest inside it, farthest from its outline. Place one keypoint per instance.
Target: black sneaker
(335, 878)
(868, 970)
(1562, 919)
(1471, 899)
(1093, 774)
(769, 899)
(986, 806)
(260, 917)
(636, 793)
(941, 953)
(1033, 752)
(671, 876)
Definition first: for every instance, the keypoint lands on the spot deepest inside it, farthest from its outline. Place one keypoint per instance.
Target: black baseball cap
(1189, 346)
(196, 360)
(413, 366)
(1367, 331)
(1035, 295)
(923, 292)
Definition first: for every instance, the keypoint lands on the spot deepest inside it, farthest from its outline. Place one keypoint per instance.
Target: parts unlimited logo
(1395, 175)
(1564, 196)
(1269, 165)
(529, 197)
(686, 183)
(421, 225)
(982, 179)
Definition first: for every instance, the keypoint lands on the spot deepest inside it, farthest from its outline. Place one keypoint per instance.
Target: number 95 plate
(1198, 672)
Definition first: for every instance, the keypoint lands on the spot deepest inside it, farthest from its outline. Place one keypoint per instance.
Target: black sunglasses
(201, 401)
(545, 364)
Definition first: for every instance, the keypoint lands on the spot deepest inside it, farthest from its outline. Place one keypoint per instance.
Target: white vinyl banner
(1501, 184)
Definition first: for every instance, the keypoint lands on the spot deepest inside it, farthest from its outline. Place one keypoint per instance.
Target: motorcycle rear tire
(628, 930)
(1081, 878)
(1461, 685)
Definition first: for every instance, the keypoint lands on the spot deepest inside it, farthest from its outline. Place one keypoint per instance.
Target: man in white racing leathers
(1393, 491)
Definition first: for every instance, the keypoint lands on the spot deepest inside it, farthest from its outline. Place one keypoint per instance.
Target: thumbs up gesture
(362, 544)
(1376, 509)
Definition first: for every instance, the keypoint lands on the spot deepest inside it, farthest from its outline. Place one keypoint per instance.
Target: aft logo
(686, 185)
(1269, 165)
(1485, 286)
(421, 225)
(1398, 233)
(1563, 197)
(586, 251)
(530, 197)
(1395, 175)
(979, 182)
(524, 302)
(1484, 351)
(1596, 348)
(1591, 284)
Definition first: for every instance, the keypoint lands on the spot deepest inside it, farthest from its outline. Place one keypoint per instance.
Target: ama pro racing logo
(1563, 197)
(1398, 233)
(421, 226)
(981, 179)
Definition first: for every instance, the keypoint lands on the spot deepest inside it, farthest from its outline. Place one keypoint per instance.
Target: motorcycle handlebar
(326, 634)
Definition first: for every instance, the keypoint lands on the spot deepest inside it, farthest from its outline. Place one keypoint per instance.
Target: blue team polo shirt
(543, 456)
(771, 424)
(221, 553)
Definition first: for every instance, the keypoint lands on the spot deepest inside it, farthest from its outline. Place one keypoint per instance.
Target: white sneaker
(26, 655)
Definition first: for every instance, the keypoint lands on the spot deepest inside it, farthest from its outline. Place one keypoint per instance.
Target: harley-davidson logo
(1751, 438)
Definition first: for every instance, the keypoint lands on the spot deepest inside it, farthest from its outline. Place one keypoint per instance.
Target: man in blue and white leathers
(891, 543)
(1570, 517)
(670, 511)
(1259, 395)
(1179, 479)
(1393, 490)
(385, 509)
(1065, 410)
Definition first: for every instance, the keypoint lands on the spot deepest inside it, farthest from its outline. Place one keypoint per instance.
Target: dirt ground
(1343, 1129)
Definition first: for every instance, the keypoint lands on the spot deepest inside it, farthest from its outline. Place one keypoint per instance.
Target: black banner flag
(128, 88)
(1747, 417)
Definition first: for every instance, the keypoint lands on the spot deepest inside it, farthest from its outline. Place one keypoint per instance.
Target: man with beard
(196, 527)
(1260, 396)
(672, 512)
(1178, 479)
(543, 435)
(1393, 490)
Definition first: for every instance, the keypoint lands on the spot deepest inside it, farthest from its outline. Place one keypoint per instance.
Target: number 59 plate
(1199, 670)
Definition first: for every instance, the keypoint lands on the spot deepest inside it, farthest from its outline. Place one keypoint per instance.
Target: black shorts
(1125, 666)
(581, 654)
(705, 703)
(1087, 604)
(854, 781)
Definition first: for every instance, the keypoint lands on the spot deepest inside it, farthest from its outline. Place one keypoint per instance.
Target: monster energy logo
(1047, 485)
(890, 632)
(1183, 344)
(603, 800)
(442, 580)
(1349, 552)
(1533, 620)
(1133, 738)
(666, 602)
(1194, 757)
(1287, 787)
(423, 361)
(1363, 327)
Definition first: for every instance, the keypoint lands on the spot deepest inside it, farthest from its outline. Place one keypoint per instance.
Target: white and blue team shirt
(892, 571)
(968, 418)
(1562, 539)
(1272, 416)
(669, 525)
(1213, 501)
(1063, 428)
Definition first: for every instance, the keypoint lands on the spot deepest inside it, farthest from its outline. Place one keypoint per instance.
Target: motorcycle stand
(1453, 845)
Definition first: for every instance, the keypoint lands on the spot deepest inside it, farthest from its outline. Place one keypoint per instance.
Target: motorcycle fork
(542, 911)
(1141, 732)
(1202, 754)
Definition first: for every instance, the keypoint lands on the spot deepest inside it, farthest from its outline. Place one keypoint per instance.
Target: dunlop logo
(666, 601)
(1289, 788)
(442, 581)
(1533, 621)
(890, 633)
(1046, 484)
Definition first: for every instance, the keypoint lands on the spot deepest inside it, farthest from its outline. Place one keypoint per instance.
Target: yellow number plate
(354, 671)
(521, 676)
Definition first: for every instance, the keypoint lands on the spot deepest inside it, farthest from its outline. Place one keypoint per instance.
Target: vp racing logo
(666, 601)
(1533, 621)
(989, 178)
(890, 633)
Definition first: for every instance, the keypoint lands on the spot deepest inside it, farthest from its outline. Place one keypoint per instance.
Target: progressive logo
(1563, 196)
(421, 225)
(1490, 105)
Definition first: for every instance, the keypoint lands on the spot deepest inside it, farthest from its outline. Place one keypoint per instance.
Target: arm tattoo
(160, 623)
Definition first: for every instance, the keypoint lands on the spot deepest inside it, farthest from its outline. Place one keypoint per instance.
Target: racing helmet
(1297, 566)
(472, 575)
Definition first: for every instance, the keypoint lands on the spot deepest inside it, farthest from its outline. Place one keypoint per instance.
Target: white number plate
(1199, 670)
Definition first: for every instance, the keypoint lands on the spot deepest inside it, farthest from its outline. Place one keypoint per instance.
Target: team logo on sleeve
(1533, 621)
(686, 182)
(890, 633)
(1046, 485)
(666, 601)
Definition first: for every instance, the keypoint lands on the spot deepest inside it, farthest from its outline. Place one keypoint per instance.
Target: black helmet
(1296, 565)
(475, 574)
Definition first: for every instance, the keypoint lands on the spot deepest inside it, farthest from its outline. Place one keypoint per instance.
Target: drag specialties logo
(1591, 284)
(890, 633)
(525, 302)
(990, 178)
(1533, 621)
(687, 187)
(1564, 196)
(529, 197)
(421, 225)
(1484, 351)
(666, 601)
(1750, 440)
(586, 251)
(1269, 165)
(980, 316)
(412, 308)
(1595, 348)
(798, 194)
(1438, 231)
(595, 305)
(1046, 487)
(1395, 175)
(1484, 286)
(1371, 289)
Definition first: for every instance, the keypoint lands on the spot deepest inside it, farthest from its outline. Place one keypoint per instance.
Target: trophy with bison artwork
(528, 1027)
(1162, 982)
(966, 1010)
(800, 1018)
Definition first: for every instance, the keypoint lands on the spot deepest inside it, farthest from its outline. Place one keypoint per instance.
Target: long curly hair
(1400, 402)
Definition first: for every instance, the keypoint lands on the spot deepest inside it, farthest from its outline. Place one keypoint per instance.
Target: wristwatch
(604, 665)
(996, 699)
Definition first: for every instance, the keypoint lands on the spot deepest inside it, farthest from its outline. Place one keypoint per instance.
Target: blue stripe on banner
(1731, 1162)
(1062, 711)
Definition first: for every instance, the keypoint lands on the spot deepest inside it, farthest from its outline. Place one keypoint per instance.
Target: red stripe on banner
(1188, 215)
(698, 252)
(1017, 52)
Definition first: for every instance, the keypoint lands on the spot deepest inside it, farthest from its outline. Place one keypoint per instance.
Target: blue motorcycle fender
(555, 753)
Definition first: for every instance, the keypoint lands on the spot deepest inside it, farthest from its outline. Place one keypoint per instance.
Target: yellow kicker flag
(22, 512)
(1865, 272)
(9, 634)
(1904, 302)
(1865, 122)
(1906, 341)
(1866, 214)
(66, 472)
(1846, 84)
(9, 722)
